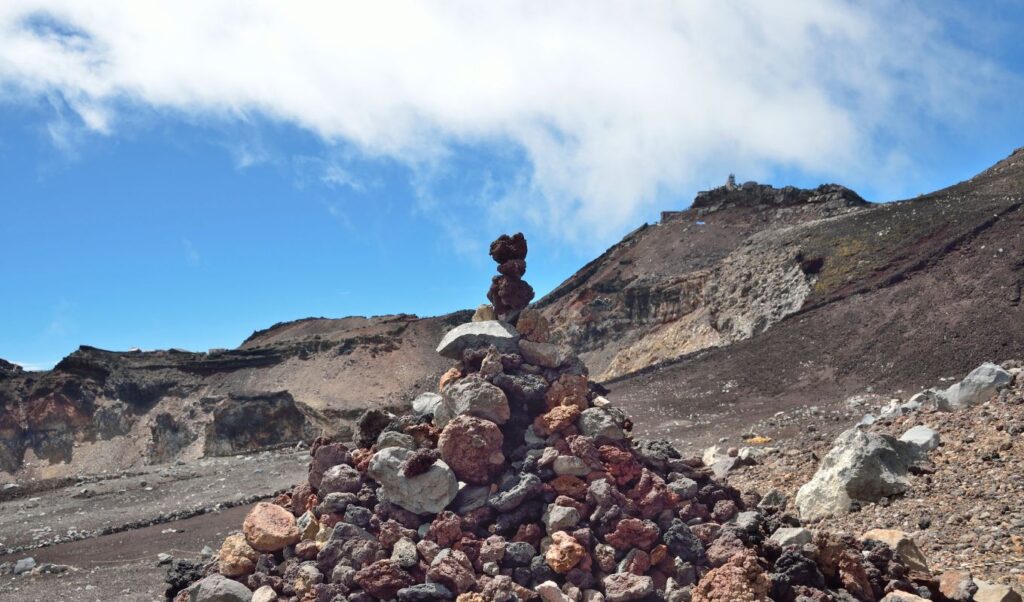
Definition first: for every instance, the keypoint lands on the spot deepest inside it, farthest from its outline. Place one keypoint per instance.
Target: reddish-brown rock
(633, 533)
(419, 462)
(568, 390)
(472, 448)
(509, 294)
(445, 530)
(269, 528)
(740, 580)
(564, 553)
(533, 326)
(569, 486)
(556, 420)
(383, 579)
(507, 247)
(622, 465)
(452, 569)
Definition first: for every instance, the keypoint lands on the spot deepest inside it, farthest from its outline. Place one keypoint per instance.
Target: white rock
(479, 334)
(791, 536)
(264, 594)
(921, 436)
(426, 403)
(994, 592)
(861, 466)
(549, 592)
(982, 383)
(426, 493)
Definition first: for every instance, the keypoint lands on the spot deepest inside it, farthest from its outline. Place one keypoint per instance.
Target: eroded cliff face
(104, 410)
(724, 270)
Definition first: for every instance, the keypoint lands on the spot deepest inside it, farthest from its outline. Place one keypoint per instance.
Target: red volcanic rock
(564, 553)
(740, 580)
(556, 420)
(508, 294)
(300, 496)
(419, 462)
(633, 533)
(724, 510)
(269, 528)
(472, 448)
(383, 579)
(583, 447)
(533, 326)
(513, 268)
(507, 247)
(570, 486)
(446, 529)
(621, 464)
(452, 569)
(568, 390)
(531, 533)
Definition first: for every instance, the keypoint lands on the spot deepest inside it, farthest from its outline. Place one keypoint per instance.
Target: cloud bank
(611, 105)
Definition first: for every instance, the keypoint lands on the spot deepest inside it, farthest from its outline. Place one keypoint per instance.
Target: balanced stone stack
(519, 481)
(509, 293)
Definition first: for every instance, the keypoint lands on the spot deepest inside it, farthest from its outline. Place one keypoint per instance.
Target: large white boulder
(479, 334)
(426, 493)
(982, 383)
(860, 467)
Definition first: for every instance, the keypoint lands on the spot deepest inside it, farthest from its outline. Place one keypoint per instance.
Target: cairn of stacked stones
(509, 293)
(519, 481)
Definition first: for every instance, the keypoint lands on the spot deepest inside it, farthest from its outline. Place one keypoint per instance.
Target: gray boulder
(977, 387)
(600, 423)
(560, 518)
(791, 536)
(395, 439)
(24, 565)
(217, 588)
(472, 335)
(547, 355)
(921, 436)
(472, 396)
(426, 403)
(860, 467)
(426, 493)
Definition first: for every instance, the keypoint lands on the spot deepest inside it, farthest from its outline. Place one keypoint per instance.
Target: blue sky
(182, 178)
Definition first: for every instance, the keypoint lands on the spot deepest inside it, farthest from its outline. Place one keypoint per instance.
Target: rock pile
(519, 481)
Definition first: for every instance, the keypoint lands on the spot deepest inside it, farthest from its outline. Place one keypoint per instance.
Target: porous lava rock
(471, 446)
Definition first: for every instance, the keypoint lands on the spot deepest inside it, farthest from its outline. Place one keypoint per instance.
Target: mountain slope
(907, 293)
(755, 299)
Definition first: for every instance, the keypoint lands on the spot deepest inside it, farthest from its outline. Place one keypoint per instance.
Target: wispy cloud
(35, 366)
(612, 104)
(192, 256)
(61, 319)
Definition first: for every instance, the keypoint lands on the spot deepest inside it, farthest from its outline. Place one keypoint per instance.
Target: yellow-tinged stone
(236, 557)
(899, 541)
(308, 525)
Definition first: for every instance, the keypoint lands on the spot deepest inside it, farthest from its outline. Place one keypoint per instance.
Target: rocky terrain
(99, 410)
(521, 482)
(683, 320)
(780, 313)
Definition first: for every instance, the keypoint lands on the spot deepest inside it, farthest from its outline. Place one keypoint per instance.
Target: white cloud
(612, 103)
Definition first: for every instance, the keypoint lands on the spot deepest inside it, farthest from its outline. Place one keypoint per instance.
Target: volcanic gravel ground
(140, 510)
(968, 514)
